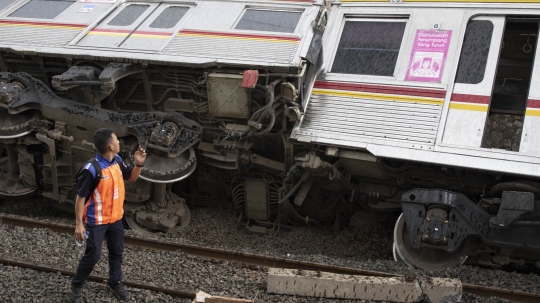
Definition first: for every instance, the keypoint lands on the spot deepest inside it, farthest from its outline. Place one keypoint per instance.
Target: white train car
(430, 96)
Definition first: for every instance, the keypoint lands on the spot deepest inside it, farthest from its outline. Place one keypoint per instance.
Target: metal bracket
(302, 194)
(514, 205)
(116, 71)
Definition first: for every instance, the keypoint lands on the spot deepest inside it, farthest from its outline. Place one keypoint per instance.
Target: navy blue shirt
(86, 178)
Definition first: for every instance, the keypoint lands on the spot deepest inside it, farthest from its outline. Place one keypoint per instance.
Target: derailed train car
(424, 108)
(432, 107)
(208, 84)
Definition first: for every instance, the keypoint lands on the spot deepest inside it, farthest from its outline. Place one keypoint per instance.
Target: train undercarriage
(220, 137)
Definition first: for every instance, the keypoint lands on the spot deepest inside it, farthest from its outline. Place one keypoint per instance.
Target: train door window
(42, 9)
(118, 26)
(169, 17)
(128, 15)
(475, 51)
(164, 21)
(512, 81)
(369, 47)
(5, 3)
(469, 101)
(269, 20)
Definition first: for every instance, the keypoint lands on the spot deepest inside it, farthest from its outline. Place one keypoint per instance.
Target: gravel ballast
(367, 248)
(22, 285)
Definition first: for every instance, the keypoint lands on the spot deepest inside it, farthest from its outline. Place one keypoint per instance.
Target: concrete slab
(328, 285)
(441, 290)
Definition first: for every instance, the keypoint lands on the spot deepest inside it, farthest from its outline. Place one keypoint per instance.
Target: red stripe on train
(532, 103)
(394, 90)
(43, 23)
(153, 33)
(118, 31)
(239, 35)
(470, 98)
(122, 31)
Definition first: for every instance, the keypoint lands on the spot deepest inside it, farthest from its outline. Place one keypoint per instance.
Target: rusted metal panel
(227, 97)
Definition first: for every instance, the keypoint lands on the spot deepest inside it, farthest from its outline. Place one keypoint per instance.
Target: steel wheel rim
(425, 258)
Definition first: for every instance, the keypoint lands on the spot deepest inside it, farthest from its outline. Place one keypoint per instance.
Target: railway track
(234, 256)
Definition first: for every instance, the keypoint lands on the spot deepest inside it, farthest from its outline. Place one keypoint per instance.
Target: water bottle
(85, 237)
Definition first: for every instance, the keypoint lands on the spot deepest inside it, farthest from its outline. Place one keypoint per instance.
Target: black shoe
(120, 292)
(74, 294)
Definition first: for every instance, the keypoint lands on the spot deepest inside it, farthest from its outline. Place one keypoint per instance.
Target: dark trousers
(114, 234)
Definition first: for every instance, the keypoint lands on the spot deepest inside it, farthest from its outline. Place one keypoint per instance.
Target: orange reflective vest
(106, 204)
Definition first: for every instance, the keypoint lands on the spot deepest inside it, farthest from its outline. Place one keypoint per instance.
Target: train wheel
(424, 258)
(11, 184)
(397, 258)
(16, 125)
(162, 169)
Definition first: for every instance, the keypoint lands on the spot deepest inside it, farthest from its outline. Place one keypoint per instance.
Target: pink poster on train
(428, 55)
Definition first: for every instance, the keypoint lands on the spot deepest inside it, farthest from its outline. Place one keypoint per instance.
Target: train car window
(169, 17)
(128, 15)
(369, 47)
(474, 54)
(269, 21)
(5, 3)
(42, 9)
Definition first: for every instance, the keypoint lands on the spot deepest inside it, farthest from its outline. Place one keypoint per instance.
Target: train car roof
(260, 34)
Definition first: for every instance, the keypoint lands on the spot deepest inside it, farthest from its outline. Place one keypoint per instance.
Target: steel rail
(266, 261)
(49, 269)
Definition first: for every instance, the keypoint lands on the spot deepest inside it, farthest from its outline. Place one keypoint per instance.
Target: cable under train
(289, 111)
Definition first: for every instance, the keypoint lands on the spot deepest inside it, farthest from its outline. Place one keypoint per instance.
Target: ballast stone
(441, 290)
(328, 285)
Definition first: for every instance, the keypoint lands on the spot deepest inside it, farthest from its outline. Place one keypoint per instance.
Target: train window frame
(188, 8)
(270, 9)
(6, 3)
(461, 54)
(369, 18)
(148, 5)
(40, 16)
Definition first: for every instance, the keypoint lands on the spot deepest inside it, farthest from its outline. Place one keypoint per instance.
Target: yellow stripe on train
(238, 38)
(42, 26)
(469, 106)
(108, 34)
(376, 96)
(533, 112)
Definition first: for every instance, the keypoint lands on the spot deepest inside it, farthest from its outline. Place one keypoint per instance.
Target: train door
(530, 140)
(156, 30)
(143, 26)
(487, 109)
(474, 82)
(504, 125)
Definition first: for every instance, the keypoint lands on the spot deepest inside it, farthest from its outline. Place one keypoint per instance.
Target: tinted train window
(128, 15)
(42, 9)
(5, 3)
(269, 21)
(474, 54)
(169, 17)
(369, 47)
